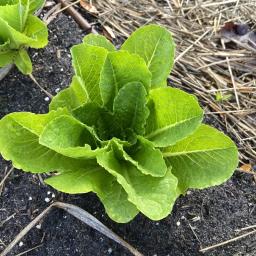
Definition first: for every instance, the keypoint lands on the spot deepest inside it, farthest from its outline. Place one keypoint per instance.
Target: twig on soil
(4, 179)
(5, 71)
(42, 89)
(83, 23)
(7, 219)
(79, 214)
(227, 241)
(29, 250)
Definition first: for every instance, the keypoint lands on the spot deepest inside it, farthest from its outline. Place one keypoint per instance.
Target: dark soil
(199, 219)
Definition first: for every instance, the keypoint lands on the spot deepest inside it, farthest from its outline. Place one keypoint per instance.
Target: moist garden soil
(199, 219)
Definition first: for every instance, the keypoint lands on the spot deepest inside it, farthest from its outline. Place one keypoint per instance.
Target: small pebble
(157, 223)
(21, 243)
(110, 250)
(47, 199)
(46, 98)
(178, 223)
(38, 226)
(49, 192)
(53, 195)
(57, 90)
(197, 218)
(61, 69)
(30, 198)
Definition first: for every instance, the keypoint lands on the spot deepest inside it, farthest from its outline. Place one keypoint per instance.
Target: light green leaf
(72, 97)
(7, 57)
(93, 178)
(130, 108)
(23, 62)
(146, 158)
(19, 143)
(88, 61)
(99, 40)
(174, 115)
(37, 31)
(205, 158)
(69, 137)
(35, 5)
(154, 197)
(14, 15)
(156, 46)
(119, 69)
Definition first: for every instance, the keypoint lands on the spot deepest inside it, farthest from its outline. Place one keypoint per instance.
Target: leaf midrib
(172, 154)
(165, 128)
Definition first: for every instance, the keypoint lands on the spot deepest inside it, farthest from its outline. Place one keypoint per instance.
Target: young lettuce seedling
(20, 29)
(120, 132)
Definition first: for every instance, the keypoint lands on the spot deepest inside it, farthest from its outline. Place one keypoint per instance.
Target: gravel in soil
(199, 219)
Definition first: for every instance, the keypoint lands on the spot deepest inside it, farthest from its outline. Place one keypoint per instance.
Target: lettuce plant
(120, 132)
(20, 29)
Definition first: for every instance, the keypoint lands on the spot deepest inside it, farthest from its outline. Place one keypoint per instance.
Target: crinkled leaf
(99, 118)
(72, 97)
(23, 62)
(88, 61)
(119, 69)
(130, 108)
(19, 143)
(93, 178)
(156, 46)
(99, 40)
(174, 115)
(154, 197)
(69, 137)
(205, 158)
(146, 158)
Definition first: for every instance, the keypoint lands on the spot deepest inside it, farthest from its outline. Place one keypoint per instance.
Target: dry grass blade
(227, 241)
(81, 215)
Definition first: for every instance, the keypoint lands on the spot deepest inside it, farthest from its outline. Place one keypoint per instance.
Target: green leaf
(35, 5)
(154, 197)
(205, 158)
(93, 178)
(119, 69)
(72, 97)
(14, 15)
(130, 108)
(174, 115)
(69, 137)
(7, 57)
(98, 40)
(88, 61)
(23, 62)
(156, 46)
(19, 143)
(146, 158)
(98, 118)
(37, 32)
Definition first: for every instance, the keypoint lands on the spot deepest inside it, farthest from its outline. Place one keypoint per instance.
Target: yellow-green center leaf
(130, 108)
(119, 69)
